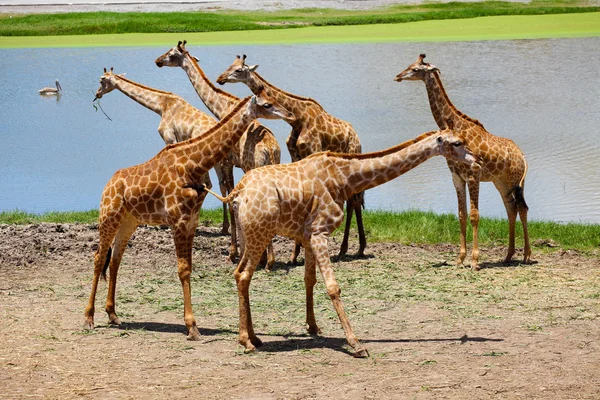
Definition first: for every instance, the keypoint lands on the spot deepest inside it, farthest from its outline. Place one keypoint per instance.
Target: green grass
(406, 227)
(186, 22)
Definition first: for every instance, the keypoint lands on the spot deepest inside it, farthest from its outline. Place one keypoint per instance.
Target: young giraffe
(313, 131)
(304, 201)
(257, 147)
(166, 190)
(502, 162)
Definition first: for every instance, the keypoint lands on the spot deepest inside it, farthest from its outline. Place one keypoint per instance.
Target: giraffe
(502, 162)
(166, 190)
(313, 130)
(179, 119)
(257, 146)
(304, 201)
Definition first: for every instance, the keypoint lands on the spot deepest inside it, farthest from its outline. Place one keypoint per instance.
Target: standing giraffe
(304, 201)
(502, 162)
(313, 130)
(257, 146)
(166, 190)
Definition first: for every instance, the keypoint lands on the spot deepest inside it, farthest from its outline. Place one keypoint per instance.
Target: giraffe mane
(222, 122)
(364, 156)
(461, 114)
(294, 96)
(201, 72)
(144, 86)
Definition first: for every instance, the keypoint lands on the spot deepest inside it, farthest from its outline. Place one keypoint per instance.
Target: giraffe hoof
(313, 330)
(114, 321)
(256, 342)
(194, 334)
(475, 267)
(88, 324)
(361, 353)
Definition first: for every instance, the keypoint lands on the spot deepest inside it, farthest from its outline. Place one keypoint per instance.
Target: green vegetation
(186, 22)
(383, 226)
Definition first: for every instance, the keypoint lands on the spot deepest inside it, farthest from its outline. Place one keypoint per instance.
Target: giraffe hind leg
(523, 209)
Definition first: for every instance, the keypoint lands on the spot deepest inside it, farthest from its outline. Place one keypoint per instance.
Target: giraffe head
(262, 106)
(107, 83)
(417, 71)
(174, 57)
(453, 148)
(237, 72)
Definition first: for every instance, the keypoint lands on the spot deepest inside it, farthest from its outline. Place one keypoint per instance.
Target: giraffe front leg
(128, 226)
(318, 244)
(461, 194)
(219, 167)
(474, 217)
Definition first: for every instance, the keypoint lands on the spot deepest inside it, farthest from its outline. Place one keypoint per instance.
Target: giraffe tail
(227, 199)
(517, 191)
(106, 263)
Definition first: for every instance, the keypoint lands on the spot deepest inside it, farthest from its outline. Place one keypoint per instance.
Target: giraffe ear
(253, 99)
(196, 58)
(252, 68)
(432, 68)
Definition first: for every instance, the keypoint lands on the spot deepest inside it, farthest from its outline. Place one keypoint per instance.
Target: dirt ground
(433, 330)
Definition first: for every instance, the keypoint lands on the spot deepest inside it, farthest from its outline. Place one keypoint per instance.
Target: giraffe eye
(268, 105)
(238, 70)
(457, 144)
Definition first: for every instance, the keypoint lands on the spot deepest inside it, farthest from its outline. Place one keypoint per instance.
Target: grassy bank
(382, 226)
(487, 28)
(186, 22)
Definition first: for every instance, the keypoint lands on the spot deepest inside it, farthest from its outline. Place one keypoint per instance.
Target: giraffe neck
(216, 100)
(199, 154)
(150, 98)
(365, 171)
(297, 105)
(441, 106)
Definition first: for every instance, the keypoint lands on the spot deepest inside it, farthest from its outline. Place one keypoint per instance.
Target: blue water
(58, 153)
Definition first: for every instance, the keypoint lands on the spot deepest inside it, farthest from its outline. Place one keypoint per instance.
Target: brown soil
(433, 330)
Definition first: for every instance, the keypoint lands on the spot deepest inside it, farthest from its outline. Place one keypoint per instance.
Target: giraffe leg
(318, 245)
(349, 211)
(270, 257)
(522, 208)
(183, 233)
(223, 188)
(511, 211)
(310, 280)
(295, 253)
(107, 229)
(362, 239)
(128, 226)
(461, 194)
(474, 217)
(233, 247)
(243, 275)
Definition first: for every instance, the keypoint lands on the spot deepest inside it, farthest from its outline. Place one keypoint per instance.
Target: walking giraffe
(304, 201)
(166, 190)
(313, 130)
(502, 162)
(256, 148)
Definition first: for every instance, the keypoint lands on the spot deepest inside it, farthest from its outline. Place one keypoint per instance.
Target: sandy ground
(60, 6)
(433, 330)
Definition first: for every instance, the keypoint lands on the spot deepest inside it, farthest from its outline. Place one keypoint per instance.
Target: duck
(51, 90)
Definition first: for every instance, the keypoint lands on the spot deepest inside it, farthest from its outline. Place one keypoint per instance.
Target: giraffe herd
(303, 200)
